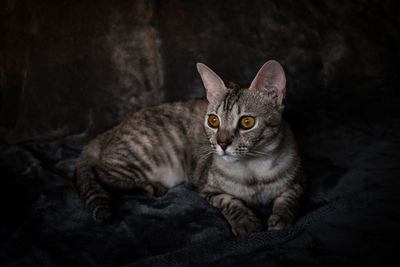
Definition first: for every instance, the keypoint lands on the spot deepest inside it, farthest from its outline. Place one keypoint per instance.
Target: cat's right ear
(212, 82)
(271, 80)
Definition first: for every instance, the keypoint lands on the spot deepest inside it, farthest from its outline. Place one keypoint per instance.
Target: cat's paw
(159, 189)
(278, 223)
(155, 189)
(246, 225)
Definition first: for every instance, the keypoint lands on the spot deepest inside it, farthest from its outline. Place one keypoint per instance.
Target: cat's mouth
(228, 156)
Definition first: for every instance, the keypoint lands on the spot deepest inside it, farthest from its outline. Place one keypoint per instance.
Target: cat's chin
(229, 158)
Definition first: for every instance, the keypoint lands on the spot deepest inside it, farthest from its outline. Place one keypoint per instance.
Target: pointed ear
(212, 82)
(272, 80)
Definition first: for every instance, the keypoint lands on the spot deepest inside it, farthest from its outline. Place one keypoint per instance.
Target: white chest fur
(257, 180)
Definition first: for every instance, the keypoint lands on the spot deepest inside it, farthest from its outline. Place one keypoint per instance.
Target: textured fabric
(350, 213)
(71, 70)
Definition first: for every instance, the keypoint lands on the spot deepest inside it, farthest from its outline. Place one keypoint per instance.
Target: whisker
(258, 153)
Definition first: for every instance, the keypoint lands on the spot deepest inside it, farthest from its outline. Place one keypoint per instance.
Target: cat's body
(235, 148)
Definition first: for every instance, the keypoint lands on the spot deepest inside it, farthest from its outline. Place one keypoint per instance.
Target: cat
(234, 146)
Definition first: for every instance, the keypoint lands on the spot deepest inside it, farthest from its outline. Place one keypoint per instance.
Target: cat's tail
(96, 198)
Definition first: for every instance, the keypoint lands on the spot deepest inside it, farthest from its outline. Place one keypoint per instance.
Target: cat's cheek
(213, 143)
(219, 151)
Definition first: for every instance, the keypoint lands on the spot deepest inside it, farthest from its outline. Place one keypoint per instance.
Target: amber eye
(247, 122)
(213, 121)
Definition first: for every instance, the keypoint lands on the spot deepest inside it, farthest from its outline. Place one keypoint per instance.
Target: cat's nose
(224, 139)
(224, 145)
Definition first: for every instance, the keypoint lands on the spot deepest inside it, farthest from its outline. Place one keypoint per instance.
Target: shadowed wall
(92, 65)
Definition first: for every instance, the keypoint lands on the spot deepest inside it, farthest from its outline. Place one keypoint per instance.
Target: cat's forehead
(239, 101)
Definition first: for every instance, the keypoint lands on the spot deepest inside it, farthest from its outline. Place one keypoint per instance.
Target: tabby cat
(234, 147)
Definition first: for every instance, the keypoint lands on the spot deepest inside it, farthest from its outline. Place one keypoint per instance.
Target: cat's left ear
(271, 79)
(212, 82)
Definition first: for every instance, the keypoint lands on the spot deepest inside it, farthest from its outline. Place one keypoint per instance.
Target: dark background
(71, 69)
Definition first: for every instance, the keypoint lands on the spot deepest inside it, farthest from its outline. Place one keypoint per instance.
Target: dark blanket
(69, 71)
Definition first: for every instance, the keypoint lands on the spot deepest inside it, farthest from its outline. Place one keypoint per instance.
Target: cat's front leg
(241, 218)
(285, 209)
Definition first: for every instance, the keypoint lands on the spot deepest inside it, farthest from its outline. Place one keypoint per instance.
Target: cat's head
(241, 122)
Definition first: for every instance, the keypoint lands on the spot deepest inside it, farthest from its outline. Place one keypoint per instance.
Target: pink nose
(223, 145)
(224, 139)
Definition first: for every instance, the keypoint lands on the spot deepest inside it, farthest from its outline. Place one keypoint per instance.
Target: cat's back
(183, 114)
(160, 140)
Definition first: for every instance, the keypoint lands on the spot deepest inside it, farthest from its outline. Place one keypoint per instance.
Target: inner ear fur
(271, 80)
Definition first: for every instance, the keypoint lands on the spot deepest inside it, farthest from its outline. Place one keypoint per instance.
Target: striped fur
(153, 151)
(160, 147)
